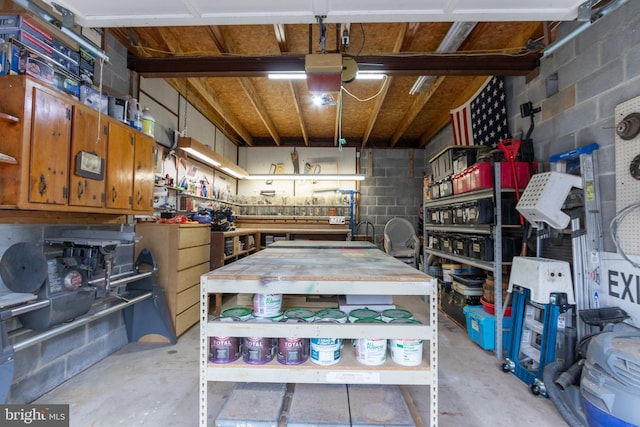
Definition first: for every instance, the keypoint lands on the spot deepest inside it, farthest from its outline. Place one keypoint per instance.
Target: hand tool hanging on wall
(294, 160)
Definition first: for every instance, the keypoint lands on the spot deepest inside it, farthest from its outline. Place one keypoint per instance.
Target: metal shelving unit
(495, 230)
(322, 271)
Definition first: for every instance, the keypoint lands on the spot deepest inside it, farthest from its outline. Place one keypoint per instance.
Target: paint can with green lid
(394, 314)
(242, 313)
(363, 314)
(406, 352)
(331, 314)
(300, 313)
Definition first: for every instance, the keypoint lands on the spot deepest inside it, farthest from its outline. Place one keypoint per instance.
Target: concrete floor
(157, 385)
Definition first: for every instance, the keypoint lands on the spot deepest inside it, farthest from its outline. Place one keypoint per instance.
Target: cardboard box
(19, 22)
(25, 62)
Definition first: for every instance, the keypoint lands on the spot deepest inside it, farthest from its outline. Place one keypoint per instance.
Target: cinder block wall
(389, 190)
(593, 72)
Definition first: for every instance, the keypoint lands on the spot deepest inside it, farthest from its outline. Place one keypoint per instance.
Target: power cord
(615, 225)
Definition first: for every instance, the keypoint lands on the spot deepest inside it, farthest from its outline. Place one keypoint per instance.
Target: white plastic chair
(401, 241)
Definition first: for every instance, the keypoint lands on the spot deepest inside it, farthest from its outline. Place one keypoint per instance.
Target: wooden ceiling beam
(417, 106)
(296, 103)
(254, 99)
(210, 98)
(405, 37)
(260, 66)
(215, 31)
(281, 37)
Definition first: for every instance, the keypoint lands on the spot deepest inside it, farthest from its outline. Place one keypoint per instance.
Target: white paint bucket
(370, 351)
(406, 352)
(325, 351)
(267, 305)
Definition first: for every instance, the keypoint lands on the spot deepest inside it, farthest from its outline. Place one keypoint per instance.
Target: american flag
(482, 120)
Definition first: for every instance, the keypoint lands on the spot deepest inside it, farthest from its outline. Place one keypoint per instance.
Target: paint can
(406, 352)
(331, 314)
(394, 314)
(370, 351)
(363, 314)
(224, 349)
(242, 313)
(267, 305)
(325, 351)
(300, 313)
(257, 350)
(293, 350)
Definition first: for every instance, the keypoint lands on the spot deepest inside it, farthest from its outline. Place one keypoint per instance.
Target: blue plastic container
(481, 327)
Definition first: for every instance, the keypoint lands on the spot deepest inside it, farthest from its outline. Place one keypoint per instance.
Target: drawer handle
(114, 193)
(80, 189)
(43, 185)
(139, 198)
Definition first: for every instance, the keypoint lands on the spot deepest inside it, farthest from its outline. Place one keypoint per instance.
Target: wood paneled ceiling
(221, 69)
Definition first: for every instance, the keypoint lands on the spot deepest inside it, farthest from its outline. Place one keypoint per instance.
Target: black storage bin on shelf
(510, 215)
(446, 187)
(433, 216)
(459, 213)
(460, 245)
(447, 243)
(446, 215)
(452, 303)
(481, 247)
(434, 241)
(480, 211)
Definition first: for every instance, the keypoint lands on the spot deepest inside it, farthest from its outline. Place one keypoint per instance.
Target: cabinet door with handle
(88, 142)
(120, 156)
(50, 138)
(143, 173)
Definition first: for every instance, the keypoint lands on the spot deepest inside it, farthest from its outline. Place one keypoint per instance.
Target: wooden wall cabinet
(50, 131)
(182, 253)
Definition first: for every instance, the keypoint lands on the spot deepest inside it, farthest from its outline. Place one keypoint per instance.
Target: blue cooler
(481, 327)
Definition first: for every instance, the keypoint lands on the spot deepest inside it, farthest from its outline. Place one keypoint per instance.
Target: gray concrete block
(307, 410)
(378, 405)
(252, 404)
(577, 69)
(614, 46)
(26, 361)
(38, 383)
(574, 119)
(601, 80)
(104, 325)
(62, 344)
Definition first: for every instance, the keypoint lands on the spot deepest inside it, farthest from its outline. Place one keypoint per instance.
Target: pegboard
(627, 187)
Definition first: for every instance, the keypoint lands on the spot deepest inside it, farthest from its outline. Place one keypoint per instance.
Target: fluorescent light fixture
(303, 76)
(457, 34)
(205, 154)
(234, 172)
(287, 76)
(307, 177)
(369, 76)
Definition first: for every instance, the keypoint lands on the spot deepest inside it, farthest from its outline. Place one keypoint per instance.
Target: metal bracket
(585, 10)
(68, 20)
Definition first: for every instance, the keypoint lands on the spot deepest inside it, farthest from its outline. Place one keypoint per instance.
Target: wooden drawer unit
(182, 253)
